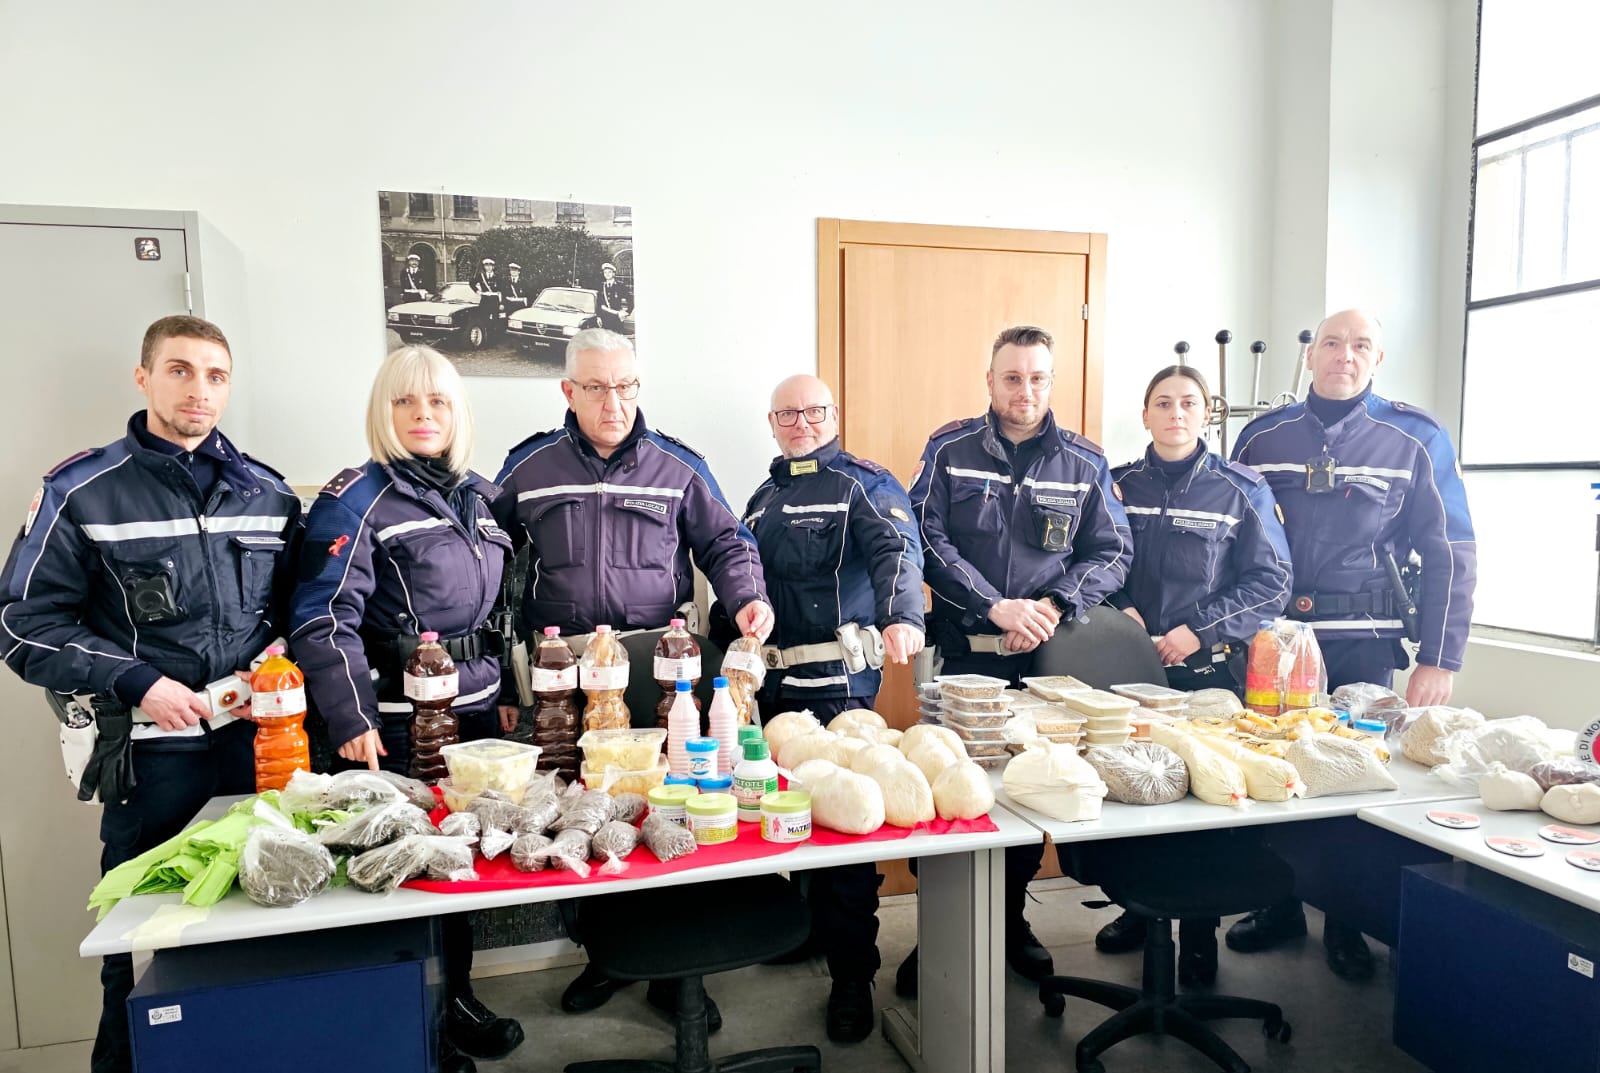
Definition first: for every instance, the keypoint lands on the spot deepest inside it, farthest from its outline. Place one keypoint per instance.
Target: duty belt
(220, 697)
(988, 644)
(861, 651)
(481, 642)
(1315, 605)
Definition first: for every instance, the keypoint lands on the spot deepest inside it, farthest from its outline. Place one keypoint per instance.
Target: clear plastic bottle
(278, 703)
(745, 671)
(554, 677)
(683, 723)
(754, 778)
(431, 685)
(677, 656)
(603, 677)
(723, 718)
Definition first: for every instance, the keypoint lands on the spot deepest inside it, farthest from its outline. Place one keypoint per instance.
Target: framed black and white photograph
(500, 284)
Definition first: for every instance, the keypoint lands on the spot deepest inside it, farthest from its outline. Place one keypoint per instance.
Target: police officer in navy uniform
(413, 288)
(1363, 482)
(146, 570)
(404, 544)
(1210, 568)
(514, 294)
(488, 285)
(839, 549)
(1021, 529)
(616, 515)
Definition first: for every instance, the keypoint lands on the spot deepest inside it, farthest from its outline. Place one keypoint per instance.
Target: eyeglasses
(596, 392)
(1036, 382)
(815, 415)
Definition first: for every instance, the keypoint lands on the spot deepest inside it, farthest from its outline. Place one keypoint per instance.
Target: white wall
(729, 127)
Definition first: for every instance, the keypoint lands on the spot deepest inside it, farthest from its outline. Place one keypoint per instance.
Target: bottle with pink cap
(431, 685)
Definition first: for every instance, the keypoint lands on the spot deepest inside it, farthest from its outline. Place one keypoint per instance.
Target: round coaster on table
(1514, 847)
(1568, 836)
(1459, 821)
(1587, 859)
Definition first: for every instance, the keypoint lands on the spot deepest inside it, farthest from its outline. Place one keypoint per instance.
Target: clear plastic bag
(1422, 730)
(1141, 773)
(494, 842)
(415, 791)
(309, 791)
(612, 844)
(1563, 772)
(1519, 743)
(666, 839)
(1367, 700)
(1330, 765)
(1285, 669)
(494, 810)
(628, 808)
(376, 827)
(587, 814)
(568, 850)
(281, 866)
(745, 670)
(385, 868)
(527, 852)
(461, 825)
(538, 815)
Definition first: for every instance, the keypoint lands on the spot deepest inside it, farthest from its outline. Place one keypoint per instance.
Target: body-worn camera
(150, 599)
(1055, 531)
(1319, 474)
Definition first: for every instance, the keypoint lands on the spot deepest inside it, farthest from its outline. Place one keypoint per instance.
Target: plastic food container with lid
(1098, 702)
(970, 686)
(1054, 687)
(992, 763)
(616, 781)
(982, 720)
(1057, 720)
(491, 764)
(1018, 699)
(1108, 737)
(966, 733)
(702, 757)
(455, 799)
(670, 802)
(713, 818)
(1160, 698)
(1109, 722)
(715, 784)
(991, 706)
(986, 748)
(632, 750)
(786, 816)
(928, 690)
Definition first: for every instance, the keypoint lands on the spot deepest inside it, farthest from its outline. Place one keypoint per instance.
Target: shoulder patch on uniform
(261, 465)
(33, 511)
(680, 443)
(1279, 509)
(899, 515)
(1415, 411)
(1080, 440)
(1246, 472)
(865, 463)
(92, 452)
(917, 471)
(343, 481)
(1116, 490)
(946, 429)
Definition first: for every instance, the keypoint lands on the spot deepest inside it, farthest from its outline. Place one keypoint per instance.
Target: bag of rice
(1331, 765)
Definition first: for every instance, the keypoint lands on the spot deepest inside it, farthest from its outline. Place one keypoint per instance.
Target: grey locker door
(82, 301)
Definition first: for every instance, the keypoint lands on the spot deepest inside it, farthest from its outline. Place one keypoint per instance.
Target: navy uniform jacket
(115, 528)
(1396, 487)
(837, 545)
(385, 557)
(611, 538)
(1208, 549)
(984, 535)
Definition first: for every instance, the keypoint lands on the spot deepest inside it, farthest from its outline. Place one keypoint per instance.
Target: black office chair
(685, 933)
(1109, 649)
(643, 692)
(1203, 875)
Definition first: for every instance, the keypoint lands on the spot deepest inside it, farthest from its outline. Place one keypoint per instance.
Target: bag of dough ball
(1577, 802)
(1425, 729)
(907, 796)
(1519, 743)
(813, 745)
(846, 802)
(1285, 668)
(780, 728)
(1331, 765)
(1509, 791)
(1056, 781)
(962, 792)
(1140, 773)
(1213, 778)
(1213, 704)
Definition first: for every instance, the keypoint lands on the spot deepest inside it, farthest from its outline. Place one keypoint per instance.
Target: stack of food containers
(929, 702)
(1157, 704)
(975, 707)
(1107, 715)
(623, 760)
(1055, 687)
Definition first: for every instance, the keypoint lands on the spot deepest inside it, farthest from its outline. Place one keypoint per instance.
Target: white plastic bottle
(755, 777)
(683, 723)
(723, 720)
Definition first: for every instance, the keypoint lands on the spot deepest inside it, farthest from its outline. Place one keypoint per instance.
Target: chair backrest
(1109, 649)
(643, 692)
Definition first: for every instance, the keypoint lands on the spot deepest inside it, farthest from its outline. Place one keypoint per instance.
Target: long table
(1550, 873)
(960, 923)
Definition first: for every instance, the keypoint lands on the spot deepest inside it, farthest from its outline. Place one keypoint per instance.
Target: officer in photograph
(514, 294)
(844, 568)
(616, 298)
(488, 286)
(1364, 484)
(1021, 530)
(617, 516)
(413, 288)
(147, 570)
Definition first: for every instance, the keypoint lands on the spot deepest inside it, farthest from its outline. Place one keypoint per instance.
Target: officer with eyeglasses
(1021, 530)
(613, 512)
(844, 566)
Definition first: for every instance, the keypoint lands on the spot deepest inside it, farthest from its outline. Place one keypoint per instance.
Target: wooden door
(906, 318)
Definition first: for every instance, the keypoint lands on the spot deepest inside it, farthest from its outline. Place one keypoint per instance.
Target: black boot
(850, 1015)
(591, 990)
(1266, 928)
(663, 995)
(1347, 951)
(1123, 935)
(452, 1060)
(905, 977)
(475, 1029)
(1025, 952)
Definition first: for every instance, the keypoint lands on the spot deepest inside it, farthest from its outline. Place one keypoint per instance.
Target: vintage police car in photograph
(555, 316)
(452, 316)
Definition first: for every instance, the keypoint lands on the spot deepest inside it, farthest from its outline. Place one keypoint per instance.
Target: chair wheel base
(1282, 1031)
(1054, 1004)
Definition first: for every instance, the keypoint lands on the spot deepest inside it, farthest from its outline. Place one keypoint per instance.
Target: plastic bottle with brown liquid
(554, 677)
(278, 704)
(677, 660)
(431, 685)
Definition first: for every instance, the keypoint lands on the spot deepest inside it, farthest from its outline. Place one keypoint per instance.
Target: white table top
(156, 921)
(1118, 820)
(1550, 873)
